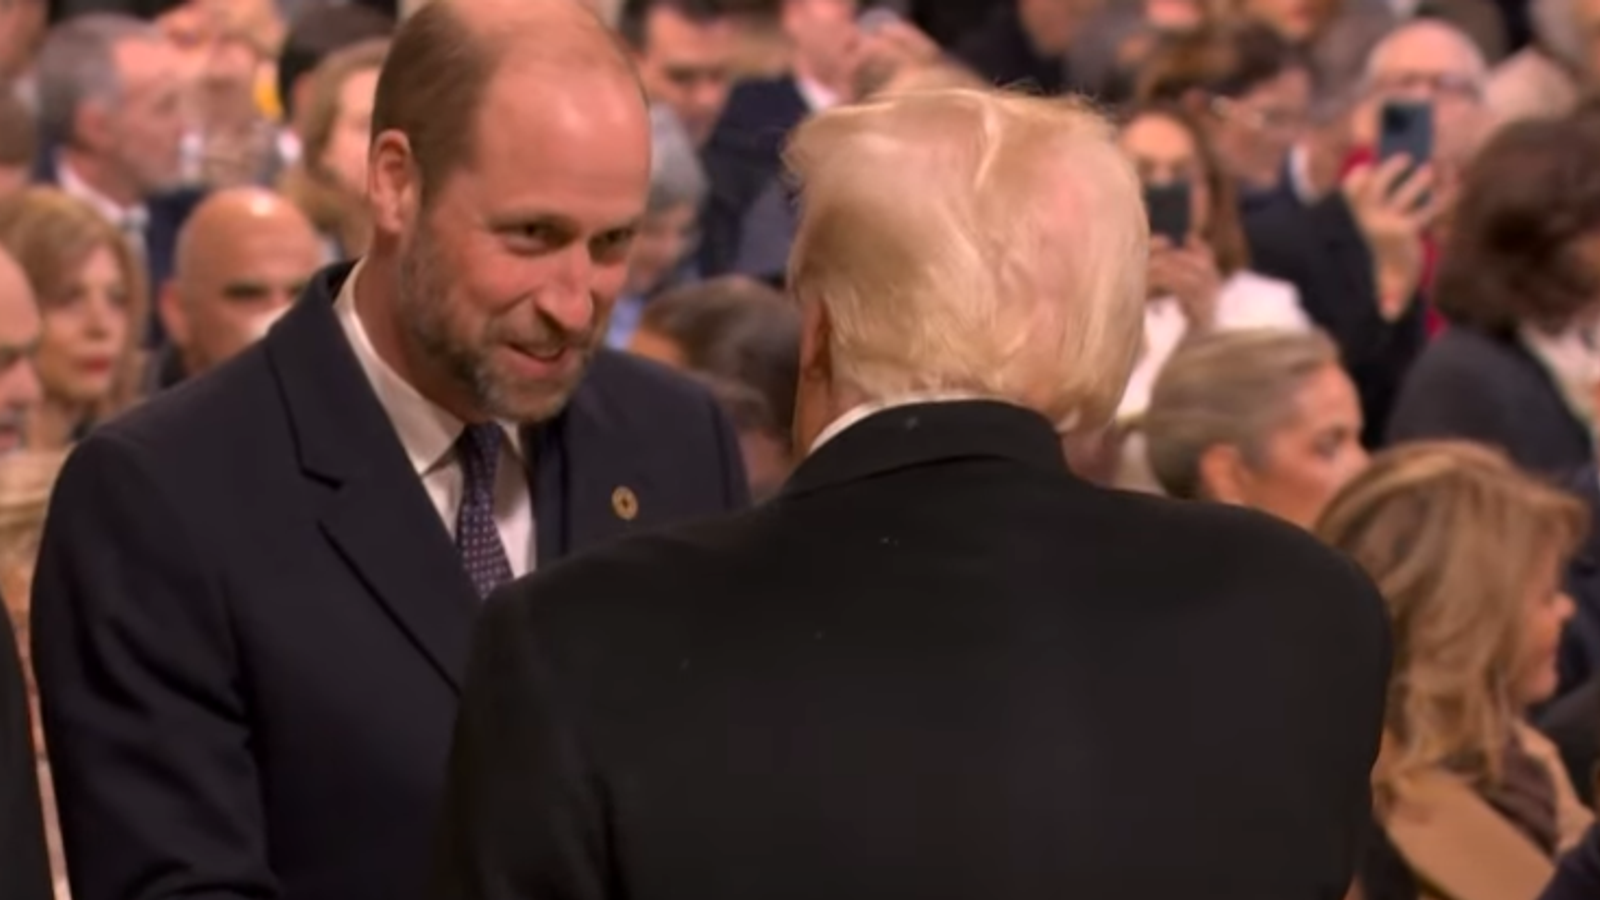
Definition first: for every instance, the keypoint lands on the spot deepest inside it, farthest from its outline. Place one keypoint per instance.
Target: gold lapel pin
(625, 504)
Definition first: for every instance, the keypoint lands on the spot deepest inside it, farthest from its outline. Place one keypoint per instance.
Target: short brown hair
(1224, 232)
(439, 69)
(1513, 255)
(1226, 59)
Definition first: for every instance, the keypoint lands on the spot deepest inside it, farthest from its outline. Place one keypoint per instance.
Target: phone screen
(1168, 206)
(1406, 128)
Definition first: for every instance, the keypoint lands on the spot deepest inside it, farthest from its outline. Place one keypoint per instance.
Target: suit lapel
(589, 487)
(375, 511)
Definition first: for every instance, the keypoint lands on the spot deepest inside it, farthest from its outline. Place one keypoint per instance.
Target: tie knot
(478, 449)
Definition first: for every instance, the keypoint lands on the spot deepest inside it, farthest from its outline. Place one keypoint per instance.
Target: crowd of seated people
(1398, 355)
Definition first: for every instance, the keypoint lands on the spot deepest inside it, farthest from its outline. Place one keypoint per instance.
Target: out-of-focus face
(1315, 453)
(1052, 25)
(1253, 133)
(1427, 66)
(22, 25)
(1164, 152)
(664, 239)
(346, 156)
(507, 281)
(86, 330)
(1297, 20)
(1546, 609)
(19, 333)
(688, 66)
(824, 34)
(1586, 14)
(147, 124)
(238, 281)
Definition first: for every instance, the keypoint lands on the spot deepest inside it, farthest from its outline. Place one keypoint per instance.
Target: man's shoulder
(642, 393)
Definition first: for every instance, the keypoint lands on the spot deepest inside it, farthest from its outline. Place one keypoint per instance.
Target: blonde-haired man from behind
(937, 665)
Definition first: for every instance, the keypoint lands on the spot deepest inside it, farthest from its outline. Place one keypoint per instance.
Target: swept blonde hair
(1454, 536)
(975, 241)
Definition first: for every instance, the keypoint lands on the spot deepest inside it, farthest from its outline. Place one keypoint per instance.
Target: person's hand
(1190, 274)
(1393, 210)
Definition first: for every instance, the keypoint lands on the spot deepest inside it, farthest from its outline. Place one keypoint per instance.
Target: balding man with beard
(243, 257)
(256, 592)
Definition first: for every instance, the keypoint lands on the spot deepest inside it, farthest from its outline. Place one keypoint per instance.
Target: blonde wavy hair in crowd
(1454, 536)
(974, 241)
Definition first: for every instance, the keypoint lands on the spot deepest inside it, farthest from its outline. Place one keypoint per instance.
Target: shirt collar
(818, 97)
(126, 218)
(866, 410)
(427, 431)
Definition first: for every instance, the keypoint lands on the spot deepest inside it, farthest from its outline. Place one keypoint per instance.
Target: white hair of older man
(974, 241)
(607, 10)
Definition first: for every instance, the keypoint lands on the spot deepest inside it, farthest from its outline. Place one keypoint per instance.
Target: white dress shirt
(130, 220)
(864, 411)
(1246, 300)
(429, 435)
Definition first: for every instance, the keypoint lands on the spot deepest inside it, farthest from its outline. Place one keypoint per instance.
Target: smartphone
(1168, 206)
(1406, 128)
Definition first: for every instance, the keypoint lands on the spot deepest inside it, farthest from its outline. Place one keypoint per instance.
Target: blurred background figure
(1551, 75)
(22, 29)
(91, 296)
(1468, 554)
(243, 258)
(745, 337)
(329, 181)
(1198, 282)
(20, 333)
(19, 144)
(1519, 282)
(316, 33)
(1252, 91)
(667, 236)
(1025, 43)
(112, 119)
(1265, 419)
(684, 52)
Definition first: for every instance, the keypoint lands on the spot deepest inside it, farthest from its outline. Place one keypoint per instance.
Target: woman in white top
(1204, 285)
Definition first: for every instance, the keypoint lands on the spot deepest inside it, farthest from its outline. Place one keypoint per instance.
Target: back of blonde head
(973, 241)
(1454, 537)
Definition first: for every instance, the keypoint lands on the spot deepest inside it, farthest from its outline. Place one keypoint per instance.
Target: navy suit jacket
(1578, 877)
(251, 625)
(742, 158)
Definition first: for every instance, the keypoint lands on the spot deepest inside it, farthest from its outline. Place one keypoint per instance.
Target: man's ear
(394, 185)
(92, 126)
(816, 342)
(1224, 477)
(174, 318)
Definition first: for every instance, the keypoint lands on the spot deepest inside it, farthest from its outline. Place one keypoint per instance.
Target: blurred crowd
(1376, 225)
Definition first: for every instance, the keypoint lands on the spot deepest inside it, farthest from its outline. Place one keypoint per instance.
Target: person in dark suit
(24, 861)
(927, 668)
(255, 592)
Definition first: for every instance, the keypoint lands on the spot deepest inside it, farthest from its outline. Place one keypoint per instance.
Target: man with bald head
(243, 257)
(256, 592)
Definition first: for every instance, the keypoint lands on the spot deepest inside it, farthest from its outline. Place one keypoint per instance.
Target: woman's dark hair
(1224, 233)
(1514, 255)
(1226, 59)
(736, 330)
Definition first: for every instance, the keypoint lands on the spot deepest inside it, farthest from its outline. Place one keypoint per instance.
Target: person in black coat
(1578, 877)
(24, 859)
(255, 594)
(928, 668)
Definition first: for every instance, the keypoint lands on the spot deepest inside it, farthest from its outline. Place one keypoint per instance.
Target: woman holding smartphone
(1199, 279)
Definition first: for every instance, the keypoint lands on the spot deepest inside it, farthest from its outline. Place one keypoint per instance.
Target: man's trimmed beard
(468, 359)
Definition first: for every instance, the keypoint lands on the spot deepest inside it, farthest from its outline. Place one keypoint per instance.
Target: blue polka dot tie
(477, 538)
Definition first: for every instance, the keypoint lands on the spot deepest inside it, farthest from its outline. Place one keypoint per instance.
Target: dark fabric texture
(251, 623)
(925, 670)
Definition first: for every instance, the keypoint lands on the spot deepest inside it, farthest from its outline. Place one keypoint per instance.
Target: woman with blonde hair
(91, 291)
(1468, 554)
(1260, 418)
(329, 182)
